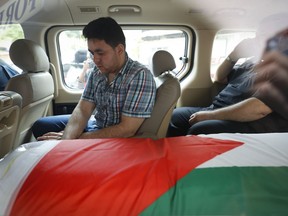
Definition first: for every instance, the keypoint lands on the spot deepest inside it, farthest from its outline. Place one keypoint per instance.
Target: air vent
(90, 9)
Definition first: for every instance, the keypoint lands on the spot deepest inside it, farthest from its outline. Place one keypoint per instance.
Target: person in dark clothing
(271, 80)
(236, 108)
(6, 73)
(239, 80)
(267, 108)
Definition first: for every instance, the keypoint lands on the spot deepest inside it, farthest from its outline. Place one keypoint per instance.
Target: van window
(8, 34)
(223, 44)
(141, 44)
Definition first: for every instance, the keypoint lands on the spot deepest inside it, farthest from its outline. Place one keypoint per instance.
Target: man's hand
(199, 116)
(51, 136)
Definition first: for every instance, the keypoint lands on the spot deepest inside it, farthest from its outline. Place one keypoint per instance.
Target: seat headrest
(162, 61)
(29, 56)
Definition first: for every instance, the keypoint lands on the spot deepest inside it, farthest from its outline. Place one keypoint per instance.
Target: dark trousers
(57, 124)
(179, 125)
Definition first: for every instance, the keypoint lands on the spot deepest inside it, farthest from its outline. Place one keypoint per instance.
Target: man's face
(106, 58)
(279, 42)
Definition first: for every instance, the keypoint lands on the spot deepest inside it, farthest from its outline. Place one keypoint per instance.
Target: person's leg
(219, 126)
(49, 124)
(179, 123)
(57, 124)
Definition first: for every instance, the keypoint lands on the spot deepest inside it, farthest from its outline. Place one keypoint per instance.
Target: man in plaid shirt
(119, 91)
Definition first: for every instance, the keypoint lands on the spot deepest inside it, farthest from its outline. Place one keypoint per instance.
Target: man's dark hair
(107, 29)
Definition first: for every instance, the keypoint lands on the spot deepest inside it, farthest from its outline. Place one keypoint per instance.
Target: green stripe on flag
(226, 191)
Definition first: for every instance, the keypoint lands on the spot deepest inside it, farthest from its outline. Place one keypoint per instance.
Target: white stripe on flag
(15, 167)
(265, 150)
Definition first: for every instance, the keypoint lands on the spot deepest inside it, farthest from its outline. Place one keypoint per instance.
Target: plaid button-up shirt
(131, 93)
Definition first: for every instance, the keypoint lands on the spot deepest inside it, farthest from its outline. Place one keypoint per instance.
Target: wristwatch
(230, 60)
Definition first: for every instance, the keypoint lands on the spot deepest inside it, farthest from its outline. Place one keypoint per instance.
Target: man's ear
(120, 49)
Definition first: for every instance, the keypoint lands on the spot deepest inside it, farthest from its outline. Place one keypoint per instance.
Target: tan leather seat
(35, 85)
(168, 93)
(10, 106)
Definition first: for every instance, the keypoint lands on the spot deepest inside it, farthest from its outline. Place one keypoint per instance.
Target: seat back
(10, 106)
(35, 84)
(168, 93)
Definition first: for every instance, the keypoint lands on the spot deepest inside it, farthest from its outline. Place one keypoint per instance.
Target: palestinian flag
(173, 176)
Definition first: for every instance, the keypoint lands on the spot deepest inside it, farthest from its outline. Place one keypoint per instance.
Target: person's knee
(49, 124)
(175, 116)
(174, 131)
(206, 127)
(178, 123)
(196, 129)
(37, 128)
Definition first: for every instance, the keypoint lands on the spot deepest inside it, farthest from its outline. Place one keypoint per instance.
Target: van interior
(182, 42)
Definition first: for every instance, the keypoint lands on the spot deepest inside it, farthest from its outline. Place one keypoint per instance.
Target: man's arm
(271, 83)
(242, 50)
(76, 124)
(78, 120)
(248, 110)
(126, 128)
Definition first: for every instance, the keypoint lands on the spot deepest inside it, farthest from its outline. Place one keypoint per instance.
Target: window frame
(187, 57)
(229, 46)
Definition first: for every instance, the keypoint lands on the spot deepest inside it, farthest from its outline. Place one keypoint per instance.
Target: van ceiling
(201, 14)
